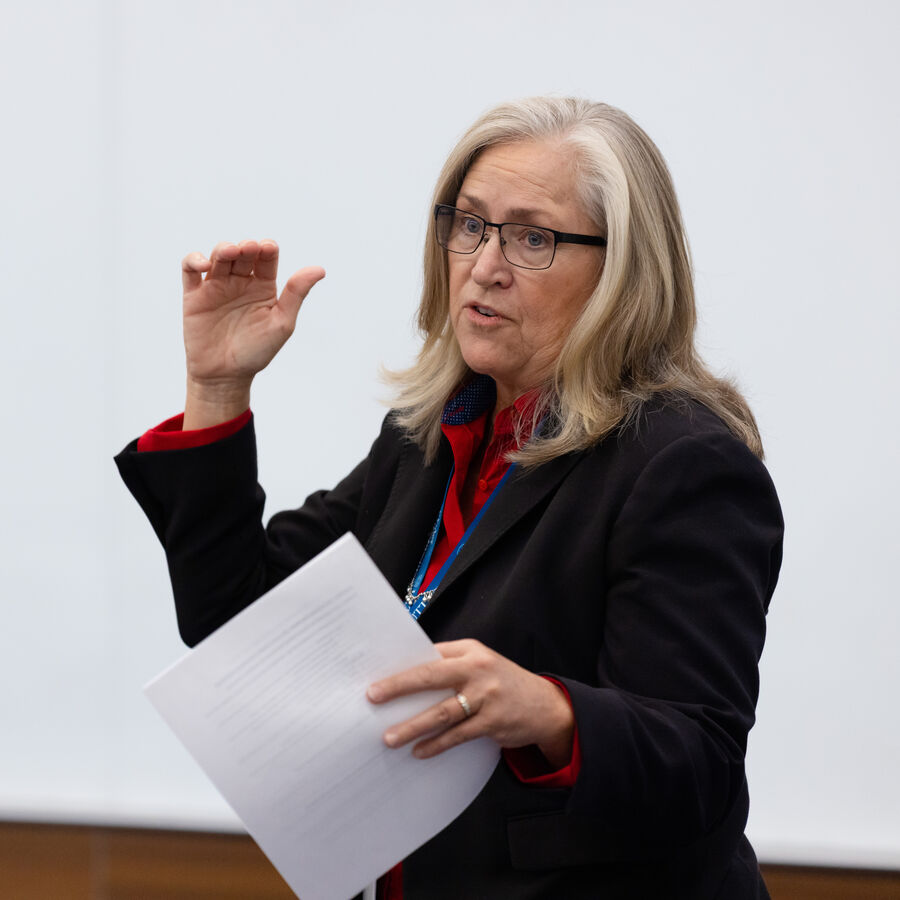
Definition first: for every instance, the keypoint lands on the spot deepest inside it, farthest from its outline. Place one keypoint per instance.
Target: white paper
(273, 707)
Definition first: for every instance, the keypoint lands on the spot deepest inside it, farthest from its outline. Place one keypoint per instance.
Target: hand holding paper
(273, 707)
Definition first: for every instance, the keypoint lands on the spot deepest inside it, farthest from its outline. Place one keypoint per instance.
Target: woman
(590, 500)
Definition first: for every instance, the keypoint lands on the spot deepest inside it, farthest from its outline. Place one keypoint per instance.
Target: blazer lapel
(517, 497)
(398, 541)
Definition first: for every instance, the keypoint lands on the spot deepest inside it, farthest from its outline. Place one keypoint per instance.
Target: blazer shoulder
(666, 420)
(393, 447)
(667, 434)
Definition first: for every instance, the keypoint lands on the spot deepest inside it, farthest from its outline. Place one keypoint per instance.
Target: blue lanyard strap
(417, 600)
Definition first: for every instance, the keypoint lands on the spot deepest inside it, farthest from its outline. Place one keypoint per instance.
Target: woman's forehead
(524, 181)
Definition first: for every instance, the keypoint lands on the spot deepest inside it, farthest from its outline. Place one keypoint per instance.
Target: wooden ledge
(94, 863)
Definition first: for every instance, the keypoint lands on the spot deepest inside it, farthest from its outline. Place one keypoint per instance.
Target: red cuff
(169, 436)
(390, 885)
(530, 767)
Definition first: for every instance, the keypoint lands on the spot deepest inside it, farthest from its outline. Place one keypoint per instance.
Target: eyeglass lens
(522, 245)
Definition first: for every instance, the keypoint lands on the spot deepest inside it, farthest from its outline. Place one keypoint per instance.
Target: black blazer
(638, 573)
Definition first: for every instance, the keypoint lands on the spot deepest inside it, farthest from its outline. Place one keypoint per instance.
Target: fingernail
(418, 753)
(390, 738)
(374, 693)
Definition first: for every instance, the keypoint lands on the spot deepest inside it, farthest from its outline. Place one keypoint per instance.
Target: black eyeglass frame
(559, 237)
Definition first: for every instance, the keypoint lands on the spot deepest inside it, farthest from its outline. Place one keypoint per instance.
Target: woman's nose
(491, 266)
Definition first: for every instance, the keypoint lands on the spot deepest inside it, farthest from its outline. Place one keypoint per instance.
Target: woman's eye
(535, 240)
(470, 225)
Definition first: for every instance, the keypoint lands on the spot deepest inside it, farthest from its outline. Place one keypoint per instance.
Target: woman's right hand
(234, 324)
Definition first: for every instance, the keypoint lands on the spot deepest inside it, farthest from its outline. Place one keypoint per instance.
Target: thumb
(296, 289)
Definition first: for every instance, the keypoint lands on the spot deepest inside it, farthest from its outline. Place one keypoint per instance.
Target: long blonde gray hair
(634, 337)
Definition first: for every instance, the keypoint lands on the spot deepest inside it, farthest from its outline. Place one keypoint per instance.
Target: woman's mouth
(482, 311)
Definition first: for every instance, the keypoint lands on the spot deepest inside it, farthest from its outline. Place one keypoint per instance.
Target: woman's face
(510, 322)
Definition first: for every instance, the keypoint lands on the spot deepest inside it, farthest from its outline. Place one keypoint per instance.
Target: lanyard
(415, 601)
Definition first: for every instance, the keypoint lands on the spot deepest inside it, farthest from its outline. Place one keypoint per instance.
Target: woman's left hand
(513, 706)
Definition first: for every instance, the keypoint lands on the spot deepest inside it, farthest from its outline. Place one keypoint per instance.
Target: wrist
(556, 745)
(209, 403)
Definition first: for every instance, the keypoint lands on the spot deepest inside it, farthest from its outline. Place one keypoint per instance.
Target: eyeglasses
(525, 246)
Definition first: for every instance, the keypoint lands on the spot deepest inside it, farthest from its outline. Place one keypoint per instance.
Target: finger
(222, 257)
(430, 676)
(267, 261)
(295, 291)
(192, 268)
(439, 717)
(246, 258)
(455, 649)
(467, 730)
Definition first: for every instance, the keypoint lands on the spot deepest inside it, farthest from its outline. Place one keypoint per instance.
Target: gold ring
(463, 701)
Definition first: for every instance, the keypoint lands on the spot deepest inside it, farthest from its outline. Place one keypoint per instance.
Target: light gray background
(135, 132)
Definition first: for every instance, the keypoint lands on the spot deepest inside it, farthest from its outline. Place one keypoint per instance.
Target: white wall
(135, 132)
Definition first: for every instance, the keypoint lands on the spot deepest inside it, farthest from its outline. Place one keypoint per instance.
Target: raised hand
(234, 324)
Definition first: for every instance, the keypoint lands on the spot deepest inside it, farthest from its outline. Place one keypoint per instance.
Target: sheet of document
(273, 707)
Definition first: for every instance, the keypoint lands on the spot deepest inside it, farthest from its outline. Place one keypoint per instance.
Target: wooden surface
(810, 883)
(59, 862)
(83, 863)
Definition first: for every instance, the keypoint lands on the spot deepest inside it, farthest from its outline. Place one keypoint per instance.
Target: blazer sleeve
(692, 560)
(206, 508)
